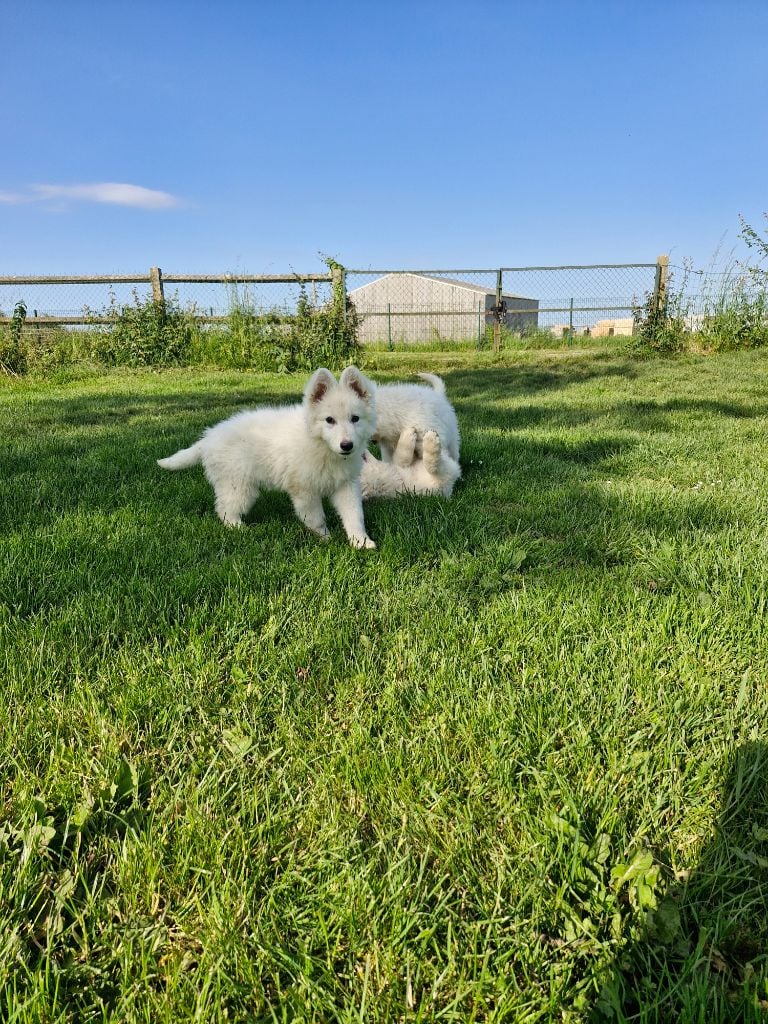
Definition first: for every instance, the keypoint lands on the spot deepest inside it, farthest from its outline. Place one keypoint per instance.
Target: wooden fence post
(339, 288)
(156, 277)
(660, 286)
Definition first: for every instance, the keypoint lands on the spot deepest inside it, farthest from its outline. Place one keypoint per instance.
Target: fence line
(393, 305)
(42, 315)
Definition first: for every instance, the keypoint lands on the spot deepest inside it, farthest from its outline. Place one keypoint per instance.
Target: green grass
(511, 766)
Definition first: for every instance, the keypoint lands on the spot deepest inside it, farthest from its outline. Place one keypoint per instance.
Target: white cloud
(99, 192)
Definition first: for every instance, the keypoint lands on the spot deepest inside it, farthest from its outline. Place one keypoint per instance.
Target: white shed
(405, 306)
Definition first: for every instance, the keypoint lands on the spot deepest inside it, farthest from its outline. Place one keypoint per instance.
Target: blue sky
(217, 137)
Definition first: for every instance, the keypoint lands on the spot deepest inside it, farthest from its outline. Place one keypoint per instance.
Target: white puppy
(312, 451)
(434, 473)
(400, 407)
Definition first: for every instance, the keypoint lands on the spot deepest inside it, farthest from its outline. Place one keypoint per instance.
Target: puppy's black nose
(347, 446)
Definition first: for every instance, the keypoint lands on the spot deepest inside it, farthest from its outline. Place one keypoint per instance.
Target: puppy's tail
(435, 381)
(183, 459)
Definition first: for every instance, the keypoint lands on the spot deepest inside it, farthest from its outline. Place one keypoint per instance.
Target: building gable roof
(477, 289)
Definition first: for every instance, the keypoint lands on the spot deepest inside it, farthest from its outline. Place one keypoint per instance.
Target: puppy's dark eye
(354, 419)
(330, 419)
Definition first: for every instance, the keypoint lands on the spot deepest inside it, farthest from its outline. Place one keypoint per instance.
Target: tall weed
(13, 356)
(660, 328)
(144, 333)
(316, 334)
(736, 315)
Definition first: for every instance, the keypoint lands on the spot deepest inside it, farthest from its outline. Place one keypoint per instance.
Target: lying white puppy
(312, 451)
(434, 473)
(400, 407)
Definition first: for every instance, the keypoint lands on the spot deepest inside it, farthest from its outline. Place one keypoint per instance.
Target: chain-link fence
(398, 306)
(696, 297)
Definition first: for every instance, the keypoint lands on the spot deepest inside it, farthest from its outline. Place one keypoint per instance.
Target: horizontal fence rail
(81, 299)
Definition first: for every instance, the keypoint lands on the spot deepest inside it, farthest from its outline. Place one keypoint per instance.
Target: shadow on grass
(98, 452)
(704, 956)
(486, 386)
(95, 454)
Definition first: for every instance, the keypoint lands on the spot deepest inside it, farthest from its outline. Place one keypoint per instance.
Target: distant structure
(623, 327)
(412, 307)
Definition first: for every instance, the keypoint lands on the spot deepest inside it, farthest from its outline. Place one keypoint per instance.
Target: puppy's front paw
(362, 542)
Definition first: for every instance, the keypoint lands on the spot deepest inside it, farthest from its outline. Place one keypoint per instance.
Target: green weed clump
(736, 316)
(13, 356)
(317, 334)
(660, 328)
(320, 336)
(248, 338)
(145, 333)
(732, 316)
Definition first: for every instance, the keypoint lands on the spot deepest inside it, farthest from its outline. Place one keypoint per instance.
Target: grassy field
(511, 766)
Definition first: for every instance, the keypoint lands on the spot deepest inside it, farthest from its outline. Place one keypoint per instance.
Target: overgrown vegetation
(149, 333)
(731, 313)
(660, 327)
(13, 356)
(509, 767)
(726, 310)
(144, 333)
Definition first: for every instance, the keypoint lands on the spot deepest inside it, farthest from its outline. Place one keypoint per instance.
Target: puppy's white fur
(400, 407)
(434, 473)
(312, 451)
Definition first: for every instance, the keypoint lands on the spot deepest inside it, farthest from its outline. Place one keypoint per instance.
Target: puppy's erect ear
(356, 381)
(318, 384)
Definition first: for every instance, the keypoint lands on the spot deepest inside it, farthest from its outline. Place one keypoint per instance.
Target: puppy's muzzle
(346, 446)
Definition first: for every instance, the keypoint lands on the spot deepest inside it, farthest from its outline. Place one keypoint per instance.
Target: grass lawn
(511, 766)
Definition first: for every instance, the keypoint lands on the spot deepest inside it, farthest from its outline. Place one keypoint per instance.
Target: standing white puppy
(400, 407)
(311, 451)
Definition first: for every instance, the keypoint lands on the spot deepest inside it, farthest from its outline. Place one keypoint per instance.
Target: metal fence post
(389, 324)
(497, 324)
(660, 286)
(158, 296)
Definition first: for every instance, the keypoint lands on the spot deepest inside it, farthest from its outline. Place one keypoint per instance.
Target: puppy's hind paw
(431, 443)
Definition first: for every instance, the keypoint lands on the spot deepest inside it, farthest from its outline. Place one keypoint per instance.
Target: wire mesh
(699, 296)
(599, 300)
(218, 298)
(72, 301)
(398, 306)
(424, 305)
